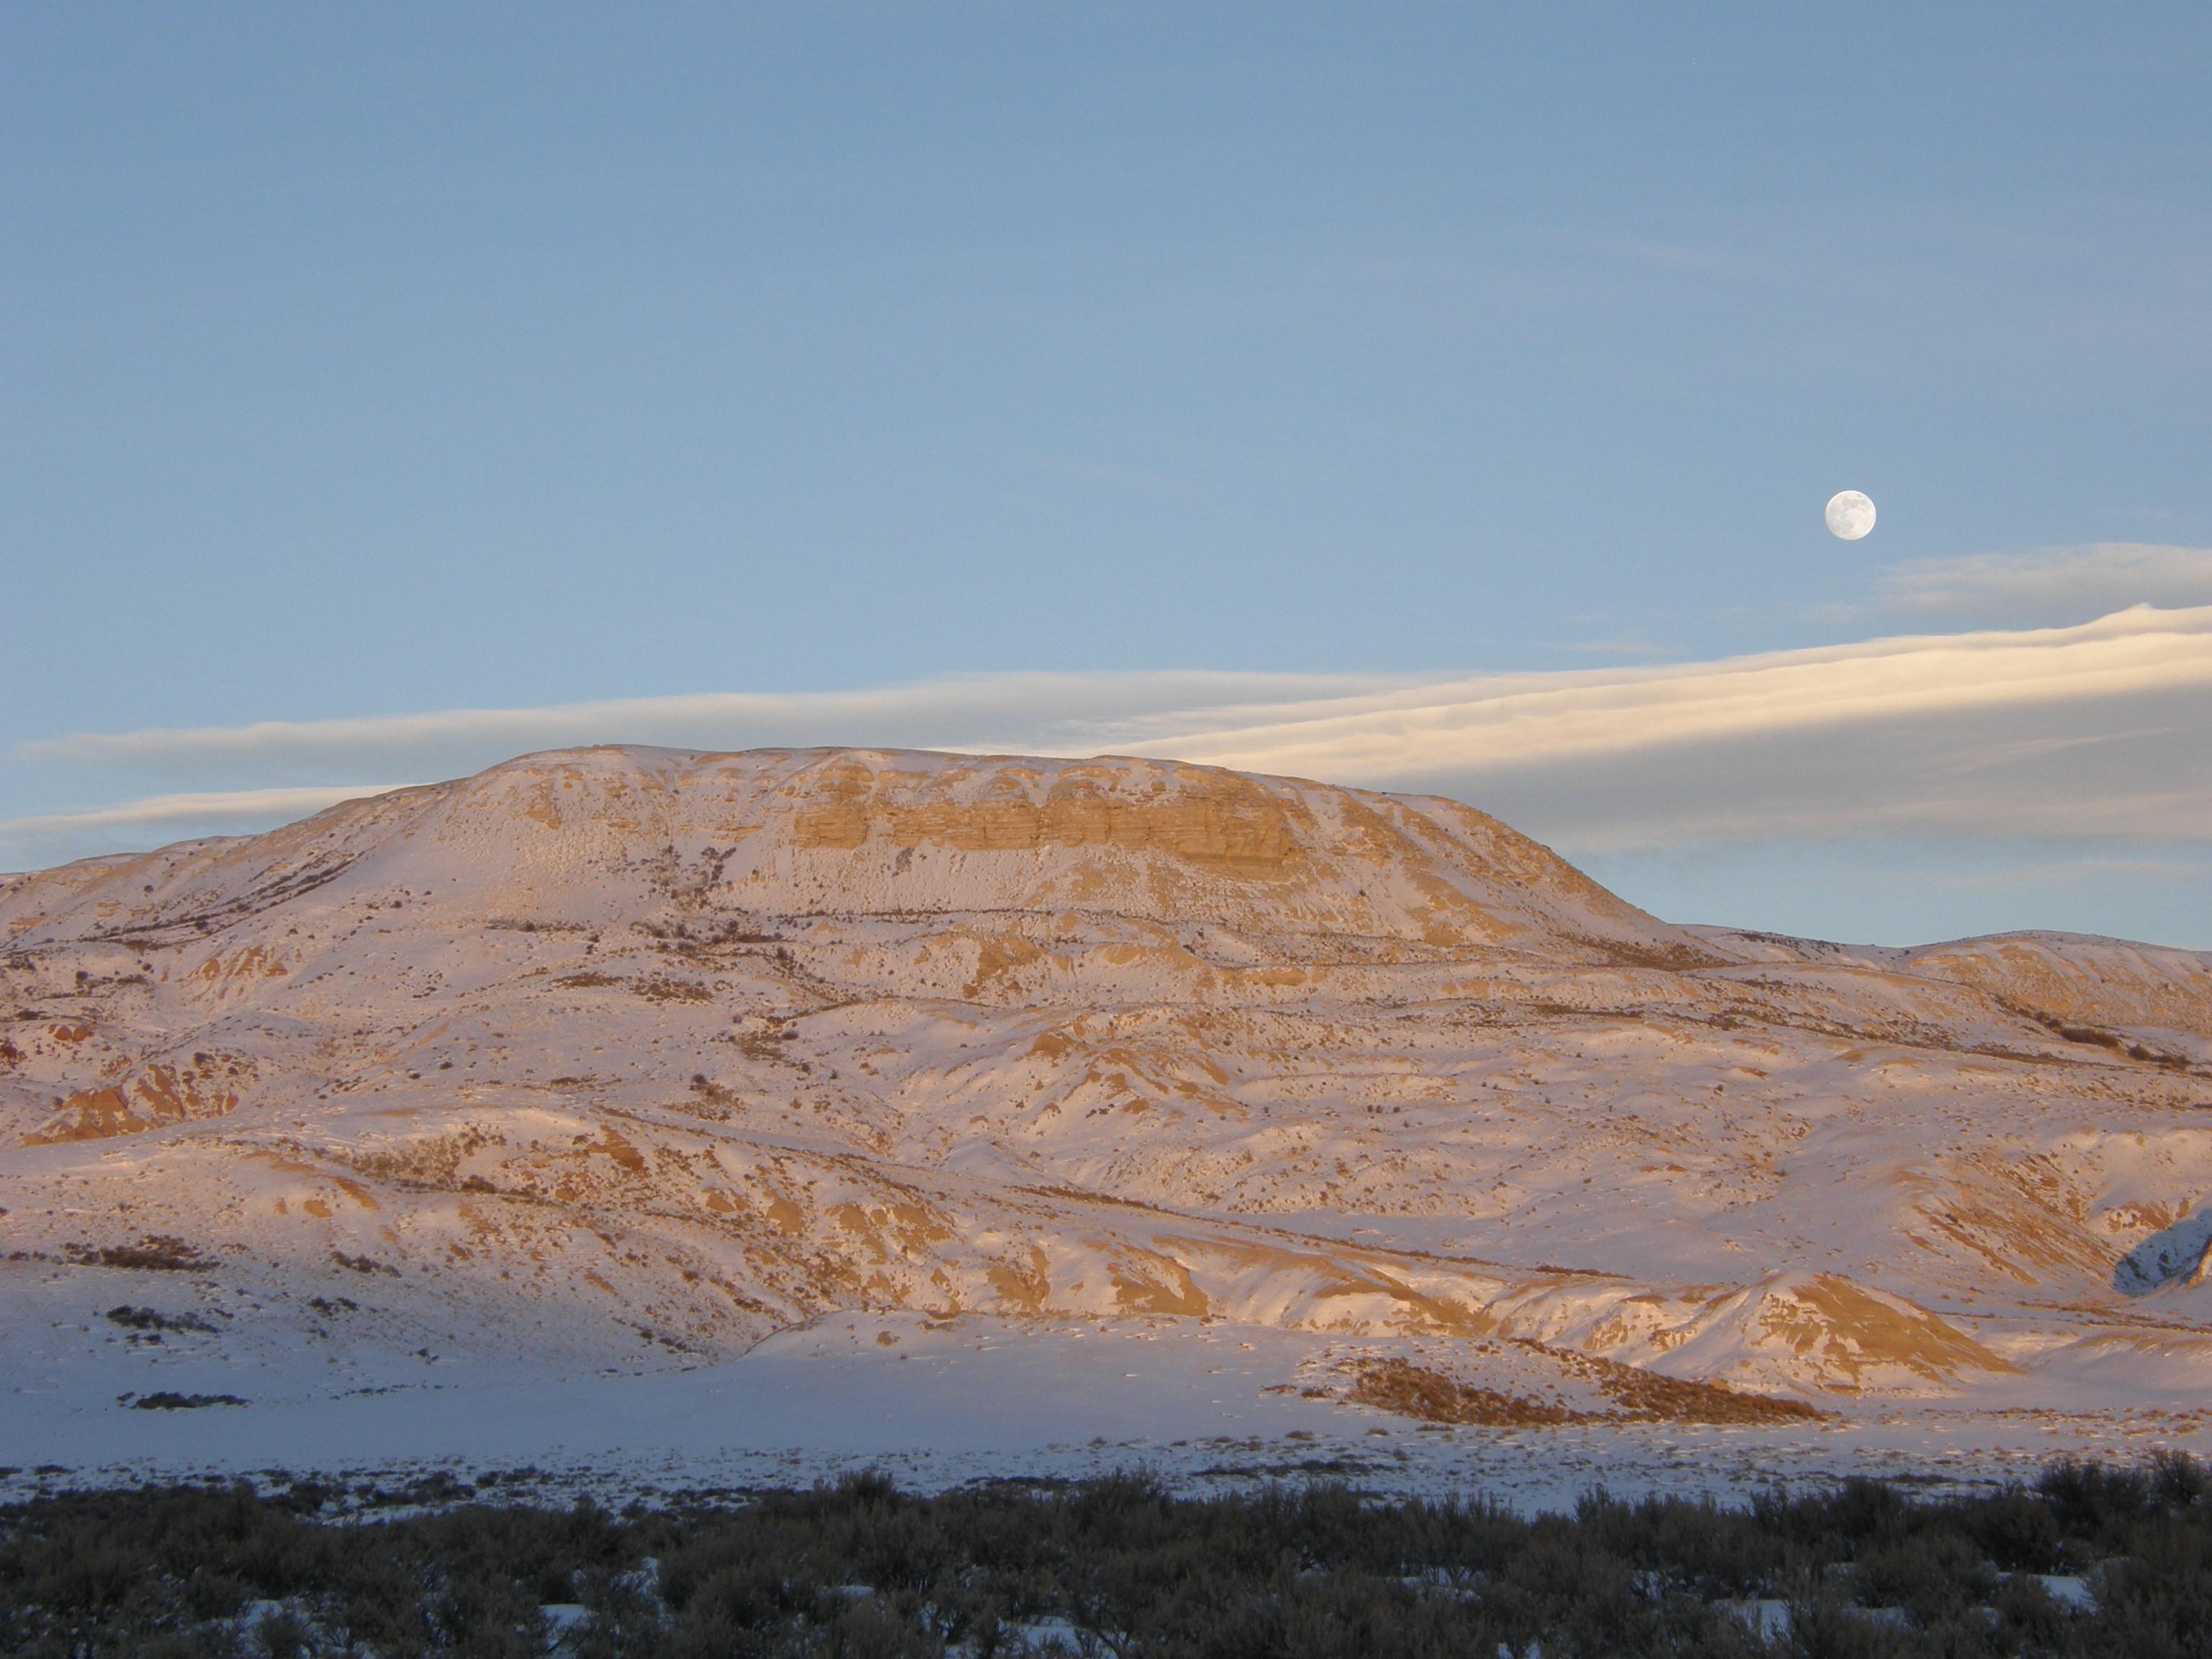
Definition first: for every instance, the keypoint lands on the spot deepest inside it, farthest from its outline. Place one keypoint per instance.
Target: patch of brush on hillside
(1636, 1395)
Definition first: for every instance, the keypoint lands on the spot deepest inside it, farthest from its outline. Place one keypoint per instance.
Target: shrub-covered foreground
(1120, 1567)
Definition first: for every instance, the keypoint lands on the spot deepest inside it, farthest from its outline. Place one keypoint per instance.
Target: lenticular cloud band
(2075, 731)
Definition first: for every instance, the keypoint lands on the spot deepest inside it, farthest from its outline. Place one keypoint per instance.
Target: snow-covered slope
(622, 1046)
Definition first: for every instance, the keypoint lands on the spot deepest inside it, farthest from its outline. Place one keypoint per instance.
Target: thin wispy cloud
(2055, 585)
(2079, 731)
(2029, 877)
(1047, 713)
(1371, 729)
(204, 807)
(1502, 722)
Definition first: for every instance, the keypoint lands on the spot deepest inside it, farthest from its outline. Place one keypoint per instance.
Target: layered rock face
(619, 1043)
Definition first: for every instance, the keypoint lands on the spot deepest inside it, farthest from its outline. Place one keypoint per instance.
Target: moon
(1850, 514)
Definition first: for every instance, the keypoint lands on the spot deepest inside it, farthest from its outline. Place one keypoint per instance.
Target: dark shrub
(863, 1569)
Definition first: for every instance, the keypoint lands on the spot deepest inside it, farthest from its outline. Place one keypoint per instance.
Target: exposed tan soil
(1638, 1396)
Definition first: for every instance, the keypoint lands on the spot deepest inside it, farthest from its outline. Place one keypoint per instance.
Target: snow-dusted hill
(622, 1046)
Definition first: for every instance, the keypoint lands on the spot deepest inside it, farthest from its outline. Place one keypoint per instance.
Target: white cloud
(199, 807)
(1046, 713)
(2055, 585)
(1506, 721)
(2094, 731)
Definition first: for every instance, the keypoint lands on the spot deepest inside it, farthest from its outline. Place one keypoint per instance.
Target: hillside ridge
(622, 1043)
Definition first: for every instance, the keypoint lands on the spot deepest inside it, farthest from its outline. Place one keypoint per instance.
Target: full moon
(1851, 515)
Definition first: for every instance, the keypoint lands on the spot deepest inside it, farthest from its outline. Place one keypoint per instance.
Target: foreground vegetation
(1118, 1567)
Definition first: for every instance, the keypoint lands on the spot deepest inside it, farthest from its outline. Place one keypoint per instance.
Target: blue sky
(370, 361)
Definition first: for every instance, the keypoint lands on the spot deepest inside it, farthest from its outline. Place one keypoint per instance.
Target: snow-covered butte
(624, 1046)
